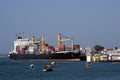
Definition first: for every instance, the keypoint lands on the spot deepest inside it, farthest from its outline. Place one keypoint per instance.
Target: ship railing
(63, 51)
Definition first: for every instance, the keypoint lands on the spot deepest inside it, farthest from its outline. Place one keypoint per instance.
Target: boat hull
(47, 56)
(47, 70)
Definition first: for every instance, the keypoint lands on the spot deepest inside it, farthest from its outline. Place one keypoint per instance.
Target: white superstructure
(22, 45)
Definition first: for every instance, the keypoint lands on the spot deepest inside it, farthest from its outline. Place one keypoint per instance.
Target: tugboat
(25, 49)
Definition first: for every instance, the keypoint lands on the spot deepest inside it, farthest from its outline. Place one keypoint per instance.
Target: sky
(89, 22)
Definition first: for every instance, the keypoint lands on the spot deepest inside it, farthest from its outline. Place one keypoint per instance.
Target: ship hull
(47, 56)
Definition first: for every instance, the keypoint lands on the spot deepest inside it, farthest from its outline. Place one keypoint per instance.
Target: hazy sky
(90, 22)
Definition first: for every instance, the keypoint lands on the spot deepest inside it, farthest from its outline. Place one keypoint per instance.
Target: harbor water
(20, 70)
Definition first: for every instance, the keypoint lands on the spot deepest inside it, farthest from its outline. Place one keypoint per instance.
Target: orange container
(62, 47)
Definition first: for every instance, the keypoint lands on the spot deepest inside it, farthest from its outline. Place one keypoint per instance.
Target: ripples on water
(19, 70)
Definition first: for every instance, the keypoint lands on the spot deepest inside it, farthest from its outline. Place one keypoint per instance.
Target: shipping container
(62, 48)
(22, 51)
(17, 48)
(76, 46)
(26, 47)
(48, 52)
(53, 51)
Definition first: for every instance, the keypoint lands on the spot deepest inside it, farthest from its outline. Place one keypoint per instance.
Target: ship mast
(33, 40)
(43, 44)
(59, 40)
(22, 35)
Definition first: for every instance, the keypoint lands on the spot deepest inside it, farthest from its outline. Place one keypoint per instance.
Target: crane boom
(60, 40)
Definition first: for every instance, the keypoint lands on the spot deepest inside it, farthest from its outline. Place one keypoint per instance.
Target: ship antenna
(22, 35)
(16, 35)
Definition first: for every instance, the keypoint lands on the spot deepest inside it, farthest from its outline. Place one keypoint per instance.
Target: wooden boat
(47, 68)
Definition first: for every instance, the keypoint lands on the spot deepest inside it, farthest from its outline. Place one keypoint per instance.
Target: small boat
(32, 66)
(53, 63)
(47, 68)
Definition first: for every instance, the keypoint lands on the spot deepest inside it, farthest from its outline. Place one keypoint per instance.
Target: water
(19, 70)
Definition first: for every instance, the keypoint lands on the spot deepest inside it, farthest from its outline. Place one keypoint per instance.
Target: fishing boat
(47, 68)
(32, 67)
(25, 49)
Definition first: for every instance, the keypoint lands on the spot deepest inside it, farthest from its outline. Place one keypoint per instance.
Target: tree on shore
(98, 47)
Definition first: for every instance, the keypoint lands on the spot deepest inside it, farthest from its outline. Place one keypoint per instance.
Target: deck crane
(41, 43)
(60, 40)
(35, 41)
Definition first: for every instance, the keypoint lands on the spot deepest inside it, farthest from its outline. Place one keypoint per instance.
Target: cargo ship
(25, 49)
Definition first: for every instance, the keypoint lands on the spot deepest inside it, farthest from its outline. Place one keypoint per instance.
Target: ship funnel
(23, 35)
